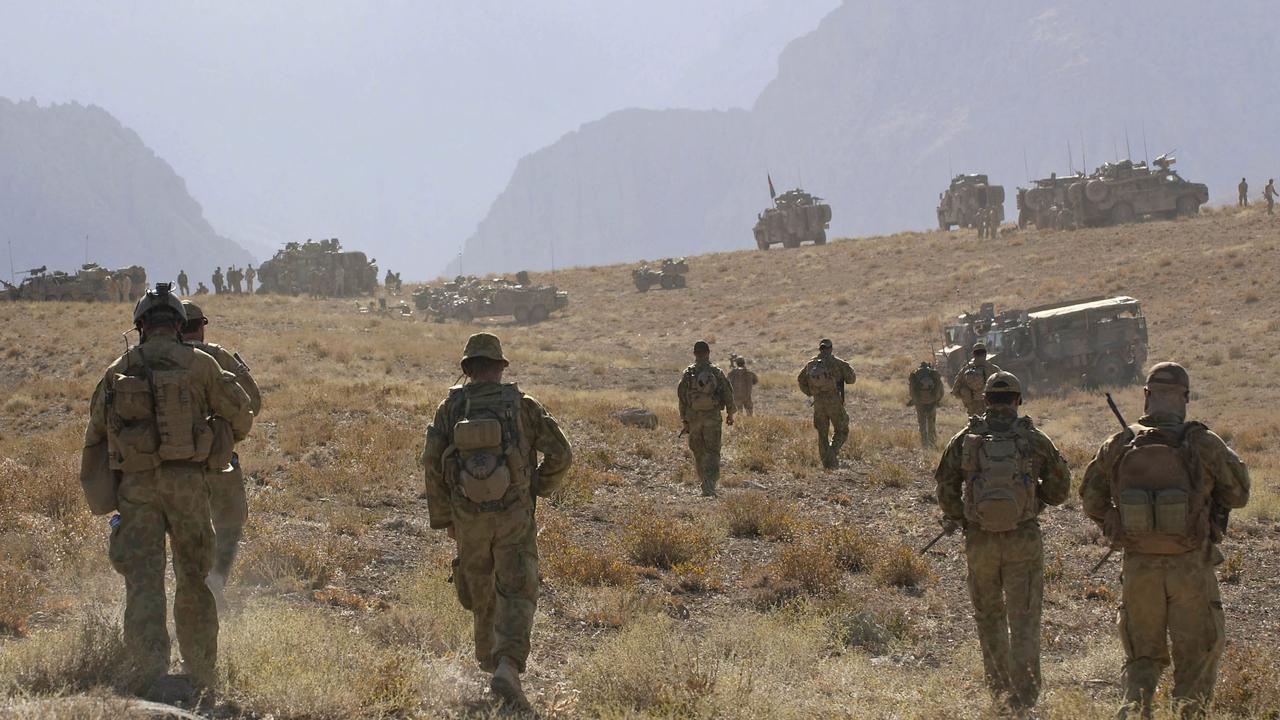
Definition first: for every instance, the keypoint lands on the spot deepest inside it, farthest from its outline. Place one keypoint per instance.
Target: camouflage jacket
(542, 435)
(229, 363)
(1219, 465)
(842, 368)
(972, 380)
(919, 396)
(742, 380)
(1048, 465)
(684, 391)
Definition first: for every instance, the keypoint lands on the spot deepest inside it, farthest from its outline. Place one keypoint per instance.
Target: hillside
(879, 103)
(798, 596)
(76, 184)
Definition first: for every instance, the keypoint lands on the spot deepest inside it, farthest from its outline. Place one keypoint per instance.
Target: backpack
(152, 416)
(924, 384)
(703, 388)
(484, 459)
(1156, 485)
(824, 377)
(999, 490)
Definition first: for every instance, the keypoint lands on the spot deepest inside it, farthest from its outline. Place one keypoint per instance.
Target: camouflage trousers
(1006, 584)
(742, 403)
(829, 415)
(974, 404)
(1171, 600)
(172, 500)
(229, 509)
(927, 419)
(497, 580)
(704, 442)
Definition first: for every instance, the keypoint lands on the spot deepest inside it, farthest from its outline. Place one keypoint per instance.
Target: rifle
(1103, 561)
(1111, 403)
(931, 543)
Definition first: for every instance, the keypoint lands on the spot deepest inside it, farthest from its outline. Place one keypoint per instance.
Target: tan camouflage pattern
(1169, 598)
(926, 406)
(742, 381)
(830, 418)
(970, 382)
(704, 426)
(182, 283)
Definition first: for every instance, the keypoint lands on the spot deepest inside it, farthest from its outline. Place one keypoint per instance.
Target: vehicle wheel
(463, 316)
(50, 298)
(66, 297)
(791, 243)
(1187, 206)
(1122, 214)
(540, 313)
(668, 282)
(1110, 371)
(820, 238)
(522, 315)
(681, 283)
(761, 243)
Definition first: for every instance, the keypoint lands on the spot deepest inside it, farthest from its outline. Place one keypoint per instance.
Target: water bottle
(115, 521)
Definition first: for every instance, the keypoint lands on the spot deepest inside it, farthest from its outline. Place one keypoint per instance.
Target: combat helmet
(193, 311)
(1003, 382)
(158, 299)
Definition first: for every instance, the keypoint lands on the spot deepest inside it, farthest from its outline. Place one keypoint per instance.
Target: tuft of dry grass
(88, 653)
(757, 514)
(654, 540)
(901, 566)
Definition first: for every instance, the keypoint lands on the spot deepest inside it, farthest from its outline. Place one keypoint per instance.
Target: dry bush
(580, 485)
(763, 444)
(563, 558)
(757, 514)
(1248, 686)
(424, 614)
(901, 566)
(805, 567)
(87, 654)
(889, 474)
(647, 668)
(19, 597)
(694, 577)
(611, 607)
(296, 557)
(654, 540)
(851, 548)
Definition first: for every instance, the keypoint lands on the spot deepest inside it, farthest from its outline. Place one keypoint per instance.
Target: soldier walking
(994, 479)
(1269, 192)
(742, 381)
(217, 280)
(249, 275)
(228, 505)
(702, 393)
(1244, 193)
(970, 382)
(126, 287)
(1161, 489)
(159, 449)
(925, 388)
(482, 475)
(980, 220)
(824, 378)
(233, 279)
(182, 283)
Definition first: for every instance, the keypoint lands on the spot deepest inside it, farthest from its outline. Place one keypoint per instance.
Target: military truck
(796, 217)
(310, 267)
(466, 299)
(1040, 204)
(670, 275)
(1091, 342)
(1125, 191)
(88, 284)
(959, 204)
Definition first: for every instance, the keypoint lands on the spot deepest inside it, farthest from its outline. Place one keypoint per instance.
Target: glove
(950, 525)
(728, 420)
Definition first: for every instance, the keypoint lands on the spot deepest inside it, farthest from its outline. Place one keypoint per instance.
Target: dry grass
(755, 514)
(663, 542)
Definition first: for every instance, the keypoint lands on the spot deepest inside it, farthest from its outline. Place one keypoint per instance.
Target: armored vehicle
(466, 299)
(88, 284)
(958, 206)
(311, 267)
(1042, 204)
(670, 275)
(796, 217)
(1125, 191)
(1090, 342)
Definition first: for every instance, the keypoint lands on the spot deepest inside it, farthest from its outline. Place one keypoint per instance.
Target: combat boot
(505, 683)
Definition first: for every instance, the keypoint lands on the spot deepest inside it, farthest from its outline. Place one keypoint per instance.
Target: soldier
(111, 289)
(125, 283)
(742, 381)
(201, 289)
(994, 479)
(925, 387)
(824, 378)
(1244, 193)
(182, 283)
(339, 276)
(148, 424)
(993, 223)
(702, 393)
(228, 506)
(980, 221)
(389, 282)
(1269, 192)
(970, 382)
(482, 476)
(233, 279)
(1162, 489)
(217, 280)
(249, 275)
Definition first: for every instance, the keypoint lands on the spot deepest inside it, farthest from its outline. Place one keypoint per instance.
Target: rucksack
(703, 388)
(824, 377)
(152, 416)
(1156, 485)
(485, 457)
(999, 490)
(924, 384)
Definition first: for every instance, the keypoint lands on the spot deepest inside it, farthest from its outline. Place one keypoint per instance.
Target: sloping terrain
(797, 593)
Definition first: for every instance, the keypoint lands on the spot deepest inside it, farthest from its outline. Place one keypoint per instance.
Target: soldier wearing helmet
(1161, 490)
(743, 382)
(971, 381)
(994, 479)
(149, 429)
(228, 504)
(482, 479)
(702, 393)
(924, 387)
(824, 379)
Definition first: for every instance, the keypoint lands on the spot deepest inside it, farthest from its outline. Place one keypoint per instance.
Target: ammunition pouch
(99, 482)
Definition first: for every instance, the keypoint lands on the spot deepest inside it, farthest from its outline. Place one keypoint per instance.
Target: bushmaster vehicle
(1090, 342)
(796, 217)
(86, 284)
(1047, 197)
(1125, 191)
(310, 266)
(958, 206)
(467, 298)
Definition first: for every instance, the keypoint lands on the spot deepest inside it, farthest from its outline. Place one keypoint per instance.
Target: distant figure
(972, 378)
(1269, 192)
(126, 287)
(702, 393)
(111, 289)
(925, 388)
(217, 280)
(742, 380)
(824, 378)
(980, 221)
(1244, 193)
(182, 282)
(249, 275)
(201, 289)
(339, 278)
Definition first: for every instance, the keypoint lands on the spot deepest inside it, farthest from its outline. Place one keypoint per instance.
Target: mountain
(876, 107)
(75, 184)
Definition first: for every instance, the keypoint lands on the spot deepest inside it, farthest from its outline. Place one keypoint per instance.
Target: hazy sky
(392, 124)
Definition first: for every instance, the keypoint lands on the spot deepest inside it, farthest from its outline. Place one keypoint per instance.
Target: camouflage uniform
(969, 383)
(925, 388)
(980, 220)
(249, 275)
(1244, 193)
(126, 288)
(704, 425)
(1269, 192)
(497, 571)
(1174, 598)
(339, 277)
(742, 381)
(182, 282)
(217, 280)
(828, 404)
(167, 497)
(111, 289)
(1006, 569)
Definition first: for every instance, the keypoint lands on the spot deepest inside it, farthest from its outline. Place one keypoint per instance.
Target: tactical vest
(824, 377)
(1157, 486)
(924, 385)
(999, 488)
(487, 461)
(153, 415)
(704, 388)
